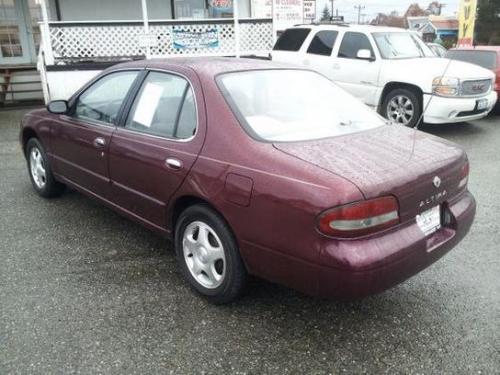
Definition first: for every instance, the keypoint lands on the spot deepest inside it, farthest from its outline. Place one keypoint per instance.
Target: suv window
(322, 43)
(164, 106)
(352, 43)
(291, 40)
(102, 100)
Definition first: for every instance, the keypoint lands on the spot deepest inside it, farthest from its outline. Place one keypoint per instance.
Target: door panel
(80, 155)
(152, 154)
(358, 77)
(80, 141)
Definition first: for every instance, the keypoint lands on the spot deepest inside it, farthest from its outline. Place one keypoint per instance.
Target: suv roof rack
(318, 23)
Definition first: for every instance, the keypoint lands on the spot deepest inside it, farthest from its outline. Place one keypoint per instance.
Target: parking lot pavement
(84, 290)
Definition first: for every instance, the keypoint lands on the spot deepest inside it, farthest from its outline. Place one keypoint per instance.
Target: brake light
(464, 175)
(359, 218)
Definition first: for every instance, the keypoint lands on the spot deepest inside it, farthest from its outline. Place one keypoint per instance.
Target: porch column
(146, 27)
(46, 43)
(236, 29)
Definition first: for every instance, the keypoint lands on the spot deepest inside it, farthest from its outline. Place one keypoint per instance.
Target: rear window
(291, 39)
(322, 43)
(486, 59)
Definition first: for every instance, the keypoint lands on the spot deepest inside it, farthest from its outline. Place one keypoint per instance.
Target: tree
(487, 30)
(325, 14)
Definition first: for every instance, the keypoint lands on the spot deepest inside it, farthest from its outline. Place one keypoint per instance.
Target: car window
(270, 109)
(102, 101)
(291, 40)
(485, 59)
(323, 42)
(352, 43)
(165, 107)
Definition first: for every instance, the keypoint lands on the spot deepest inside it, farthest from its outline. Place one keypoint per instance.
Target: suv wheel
(402, 107)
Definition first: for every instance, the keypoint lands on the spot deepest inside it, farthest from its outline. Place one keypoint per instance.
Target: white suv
(391, 70)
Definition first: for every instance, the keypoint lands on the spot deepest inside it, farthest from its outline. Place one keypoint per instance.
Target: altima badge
(436, 181)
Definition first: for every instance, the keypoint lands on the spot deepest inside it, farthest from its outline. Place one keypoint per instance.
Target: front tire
(40, 172)
(402, 107)
(208, 255)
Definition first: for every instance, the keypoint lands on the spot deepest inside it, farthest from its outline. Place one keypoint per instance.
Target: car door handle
(99, 142)
(336, 66)
(173, 163)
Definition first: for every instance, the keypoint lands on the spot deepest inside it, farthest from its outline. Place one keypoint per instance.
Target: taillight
(359, 218)
(464, 175)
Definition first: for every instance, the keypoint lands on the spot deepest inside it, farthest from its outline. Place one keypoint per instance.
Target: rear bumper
(442, 110)
(359, 268)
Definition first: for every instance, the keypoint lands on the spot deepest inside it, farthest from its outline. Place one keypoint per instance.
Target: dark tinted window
(322, 43)
(291, 40)
(164, 107)
(352, 43)
(486, 59)
(102, 100)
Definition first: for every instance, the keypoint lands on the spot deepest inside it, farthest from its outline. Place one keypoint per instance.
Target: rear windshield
(294, 105)
(486, 59)
(291, 40)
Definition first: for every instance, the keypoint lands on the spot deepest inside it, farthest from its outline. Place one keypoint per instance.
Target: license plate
(481, 104)
(429, 221)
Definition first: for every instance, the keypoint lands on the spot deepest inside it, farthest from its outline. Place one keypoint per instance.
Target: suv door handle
(336, 66)
(99, 142)
(173, 163)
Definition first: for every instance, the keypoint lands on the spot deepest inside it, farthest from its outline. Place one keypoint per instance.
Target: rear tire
(208, 255)
(402, 107)
(40, 172)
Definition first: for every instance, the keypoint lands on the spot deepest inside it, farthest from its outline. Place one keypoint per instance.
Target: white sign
(288, 13)
(262, 8)
(146, 108)
(309, 10)
(147, 40)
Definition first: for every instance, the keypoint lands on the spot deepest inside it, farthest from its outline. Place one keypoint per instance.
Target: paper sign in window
(148, 103)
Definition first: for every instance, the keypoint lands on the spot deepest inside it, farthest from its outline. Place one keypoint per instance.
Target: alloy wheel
(37, 168)
(204, 254)
(400, 110)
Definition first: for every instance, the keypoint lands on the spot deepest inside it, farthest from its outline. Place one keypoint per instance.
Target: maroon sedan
(256, 168)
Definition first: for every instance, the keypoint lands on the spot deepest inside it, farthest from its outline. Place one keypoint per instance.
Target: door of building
(17, 44)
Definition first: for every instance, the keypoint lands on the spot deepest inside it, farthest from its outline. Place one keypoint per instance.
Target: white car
(391, 70)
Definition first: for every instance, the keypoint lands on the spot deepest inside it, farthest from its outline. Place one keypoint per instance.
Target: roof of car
(352, 27)
(207, 65)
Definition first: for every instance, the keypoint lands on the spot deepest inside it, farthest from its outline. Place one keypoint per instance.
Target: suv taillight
(359, 218)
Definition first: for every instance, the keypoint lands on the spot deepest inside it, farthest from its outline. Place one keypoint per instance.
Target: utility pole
(359, 8)
(331, 12)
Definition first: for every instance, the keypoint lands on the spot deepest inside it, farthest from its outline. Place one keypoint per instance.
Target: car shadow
(456, 130)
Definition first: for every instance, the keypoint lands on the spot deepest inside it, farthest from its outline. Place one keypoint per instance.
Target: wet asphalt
(83, 290)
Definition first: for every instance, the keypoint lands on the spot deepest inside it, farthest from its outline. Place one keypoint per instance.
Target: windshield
(401, 45)
(486, 59)
(294, 105)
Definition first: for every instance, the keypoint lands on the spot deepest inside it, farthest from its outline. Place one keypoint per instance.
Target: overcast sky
(372, 7)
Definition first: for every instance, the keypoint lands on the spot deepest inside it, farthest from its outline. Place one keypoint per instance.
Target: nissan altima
(251, 167)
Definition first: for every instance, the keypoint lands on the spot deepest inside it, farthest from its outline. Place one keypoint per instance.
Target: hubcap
(204, 254)
(400, 110)
(37, 168)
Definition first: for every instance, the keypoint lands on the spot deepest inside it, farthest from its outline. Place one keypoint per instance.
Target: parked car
(438, 49)
(487, 57)
(299, 184)
(391, 70)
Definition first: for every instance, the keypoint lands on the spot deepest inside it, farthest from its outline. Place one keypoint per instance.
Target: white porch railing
(104, 41)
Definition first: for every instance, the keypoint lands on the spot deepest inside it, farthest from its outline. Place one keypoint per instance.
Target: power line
(359, 8)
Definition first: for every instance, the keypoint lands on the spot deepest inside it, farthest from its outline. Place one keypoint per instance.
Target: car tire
(397, 105)
(40, 172)
(208, 254)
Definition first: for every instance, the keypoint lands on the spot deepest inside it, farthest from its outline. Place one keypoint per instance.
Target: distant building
(434, 28)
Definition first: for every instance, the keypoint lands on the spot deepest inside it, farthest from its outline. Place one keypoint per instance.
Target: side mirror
(58, 107)
(365, 54)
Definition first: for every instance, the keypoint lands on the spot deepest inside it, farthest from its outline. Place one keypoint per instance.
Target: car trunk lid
(390, 160)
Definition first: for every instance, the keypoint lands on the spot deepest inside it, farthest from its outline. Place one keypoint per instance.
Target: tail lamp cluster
(360, 218)
(464, 175)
